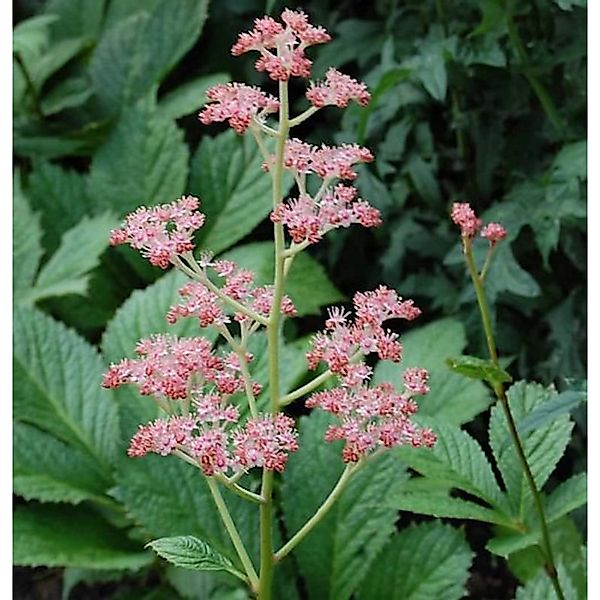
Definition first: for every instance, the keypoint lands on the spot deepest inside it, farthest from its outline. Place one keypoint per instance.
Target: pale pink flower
(201, 303)
(238, 104)
(337, 89)
(337, 162)
(210, 449)
(161, 436)
(493, 232)
(464, 216)
(415, 381)
(161, 232)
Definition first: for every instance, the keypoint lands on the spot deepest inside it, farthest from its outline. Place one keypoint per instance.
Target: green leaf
(543, 447)
(205, 585)
(226, 175)
(569, 4)
(458, 460)
(27, 247)
(541, 587)
(57, 378)
(77, 18)
(478, 368)
(506, 275)
(190, 96)
(61, 536)
(189, 552)
(143, 161)
(453, 399)
(549, 411)
(429, 561)
(423, 177)
(48, 470)
(30, 36)
(336, 555)
(307, 284)
(79, 252)
(66, 94)
(568, 496)
(139, 51)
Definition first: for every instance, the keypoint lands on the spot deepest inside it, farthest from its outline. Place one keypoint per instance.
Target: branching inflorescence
(201, 390)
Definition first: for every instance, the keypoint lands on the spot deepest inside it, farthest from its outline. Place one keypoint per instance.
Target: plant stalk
(549, 566)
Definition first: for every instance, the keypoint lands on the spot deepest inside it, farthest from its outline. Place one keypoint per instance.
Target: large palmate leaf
(226, 175)
(335, 556)
(49, 470)
(143, 161)
(307, 284)
(543, 447)
(452, 399)
(57, 378)
(138, 51)
(79, 252)
(58, 536)
(429, 561)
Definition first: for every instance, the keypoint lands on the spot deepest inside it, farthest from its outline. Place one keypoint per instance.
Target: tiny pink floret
(337, 90)
(493, 232)
(464, 216)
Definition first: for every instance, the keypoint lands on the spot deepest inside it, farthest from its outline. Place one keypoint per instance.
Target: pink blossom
(493, 232)
(161, 232)
(238, 104)
(288, 41)
(200, 303)
(161, 436)
(464, 216)
(210, 449)
(337, 89)
(265, 441)
(415, 381)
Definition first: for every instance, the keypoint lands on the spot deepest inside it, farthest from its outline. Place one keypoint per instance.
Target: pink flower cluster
(263, 441)
(308, 220)
(325, 161)
(238, 104)
(161, 232)
(374, 417)
(239, 286)
(343, 342)
(169, 366)
(289, 42)
(337, 90)
(464, 216)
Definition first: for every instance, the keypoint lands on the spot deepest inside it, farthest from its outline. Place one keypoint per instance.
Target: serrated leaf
(307, 284)
(478, 368)
(76, 18)
(189, 552)
(48, 470)
(226, 175)
(79, 252)
(190, 96)
(27, 247)
(137, 52)
(61, 536)
(336, 555)
(429, 561)
(57, 378)
(568, 496)
(543, 447)
(66, 94)
(506, 275)
(549, 411)
(143, 161)
(453, 399)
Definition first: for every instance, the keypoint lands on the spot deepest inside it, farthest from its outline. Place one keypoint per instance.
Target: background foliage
(472, 101)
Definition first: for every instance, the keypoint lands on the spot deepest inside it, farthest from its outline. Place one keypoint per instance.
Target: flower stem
(484, 310)
(233, 532)
(318, 516)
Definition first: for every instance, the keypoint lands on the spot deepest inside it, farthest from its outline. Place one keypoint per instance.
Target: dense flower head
(161, 436)
(308, 220)
(287, 40)
(161, 232)
(169, 365)
(464, 216)
(337, 90)
(370, 418)
(493, 232)
(238, 104)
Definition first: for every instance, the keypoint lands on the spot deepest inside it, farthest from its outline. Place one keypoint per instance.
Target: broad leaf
(478, 368)
(67, 536)
(57, 378)
(189, 552)
(77, 18)
(79, 252)
(561, 404)
(453, 399)
(235, 192)
(568, 496)
(143, 161)
(543, 447)
(336, 555)
(429, 561)
(307, 284)
(48, 470)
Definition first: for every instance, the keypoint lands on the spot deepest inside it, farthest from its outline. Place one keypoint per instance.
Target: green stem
(318, 516)
(484, 310)
(233, 532)
(239, 490)
(37, 107)
(303, 116)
